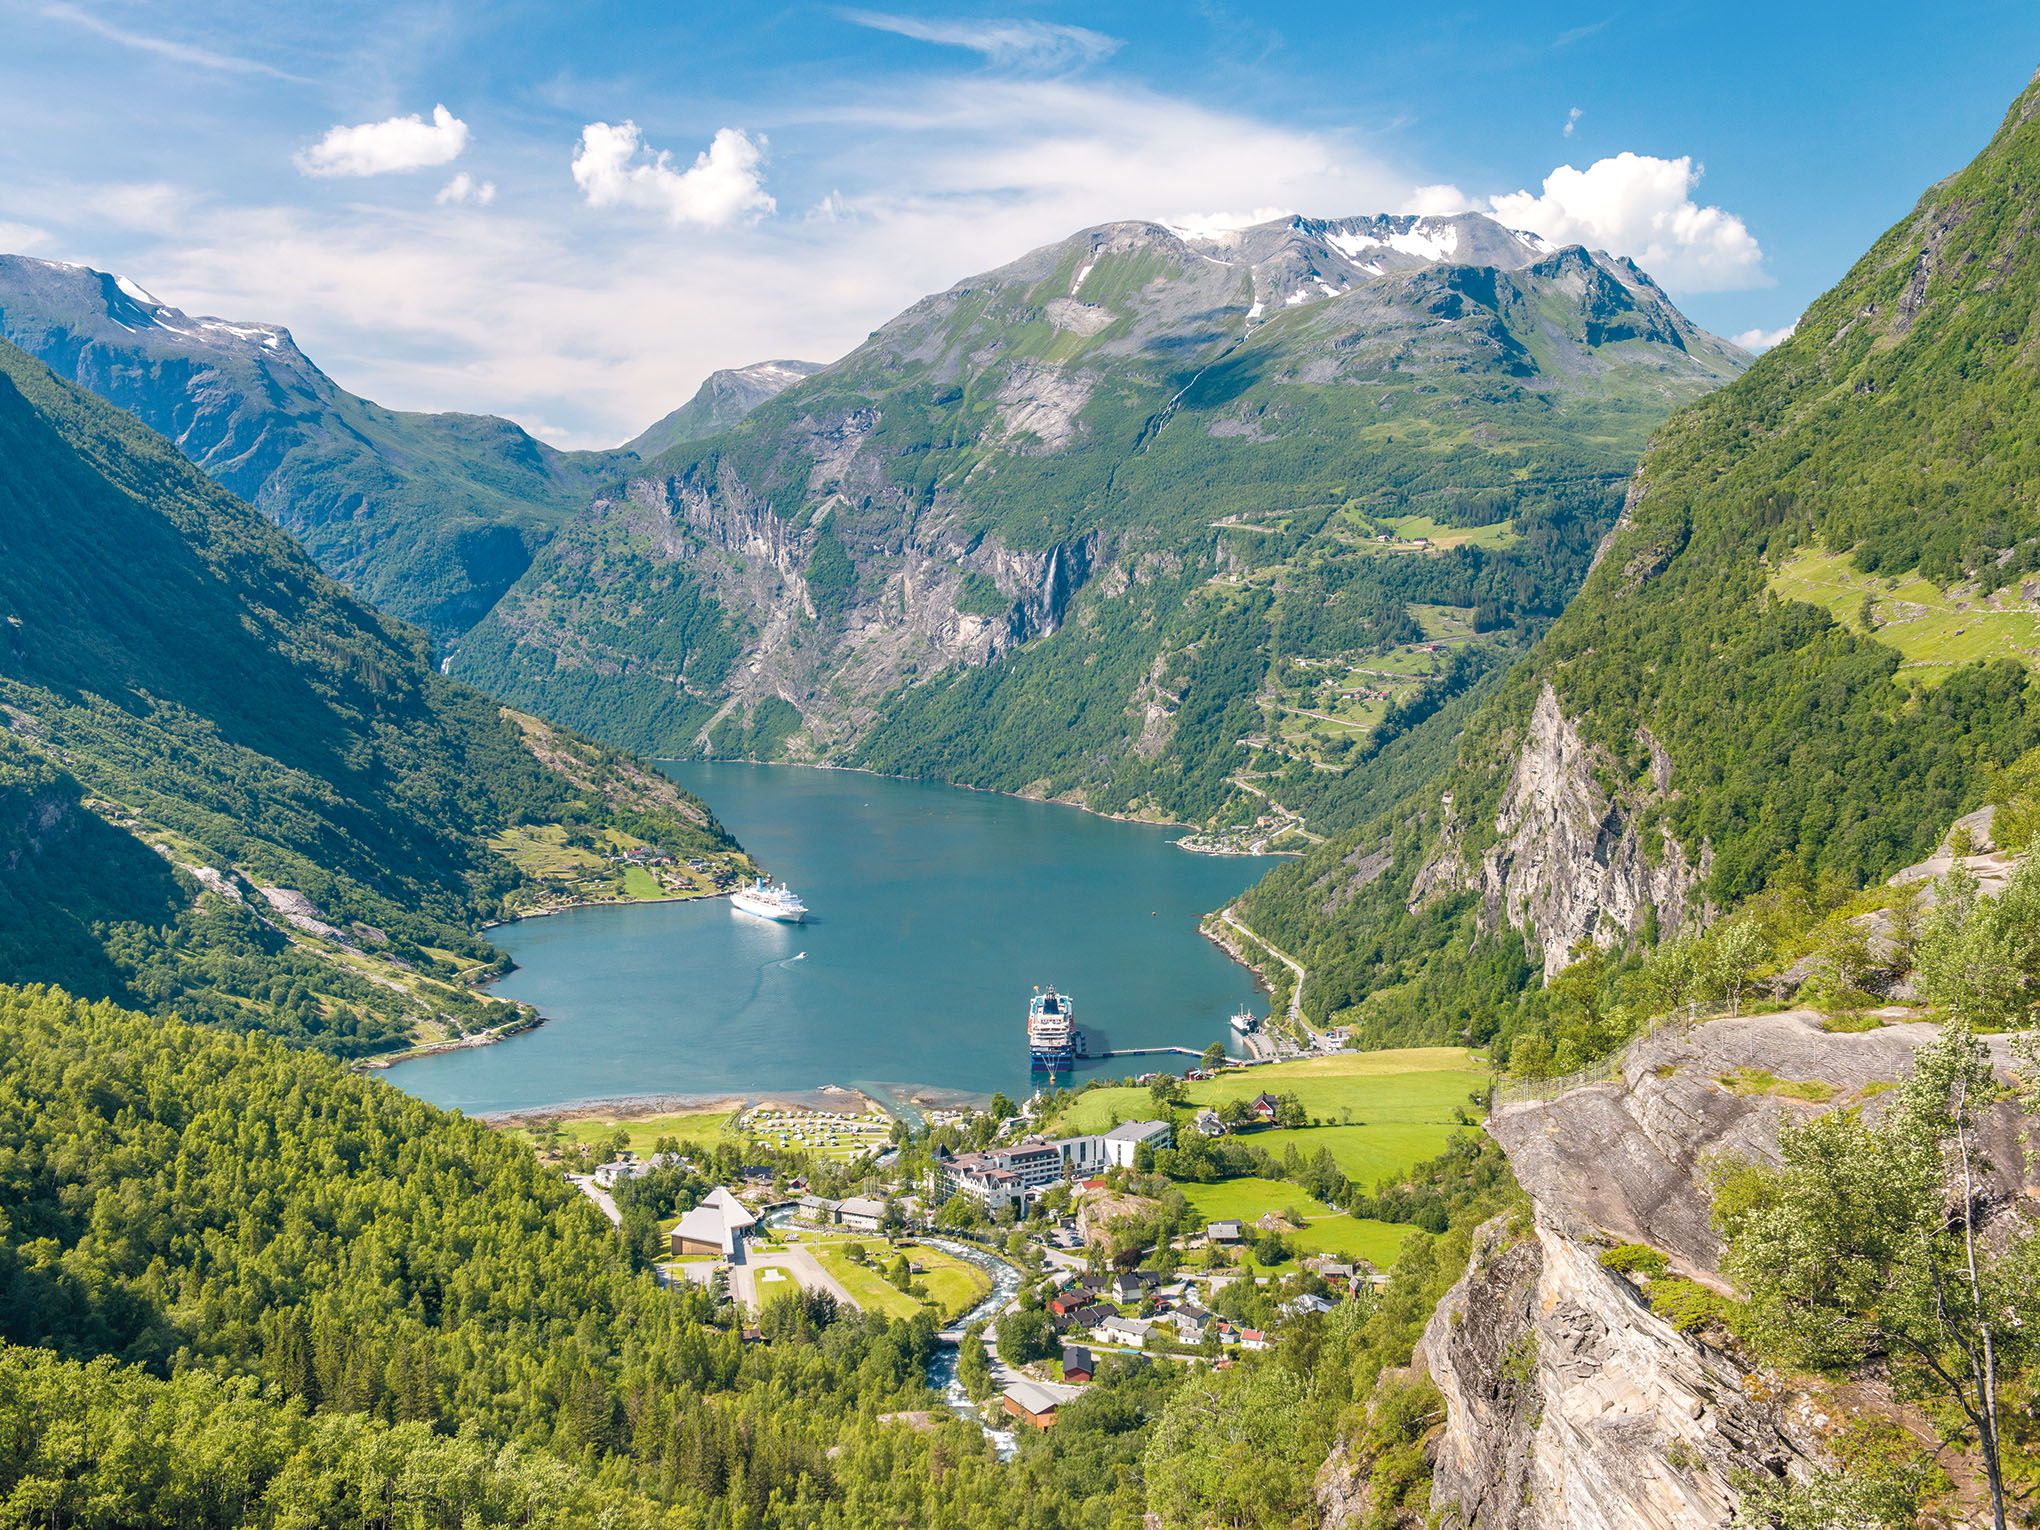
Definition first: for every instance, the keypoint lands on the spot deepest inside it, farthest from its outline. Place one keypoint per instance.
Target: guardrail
(1606, 1069)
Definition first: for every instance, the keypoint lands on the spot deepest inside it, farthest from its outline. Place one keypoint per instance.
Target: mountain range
(1202, 452)
(430, 517)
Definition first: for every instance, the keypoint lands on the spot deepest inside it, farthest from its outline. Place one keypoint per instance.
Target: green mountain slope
(1073, 525)
(1695, 732)
(194, 713)
(428, 516)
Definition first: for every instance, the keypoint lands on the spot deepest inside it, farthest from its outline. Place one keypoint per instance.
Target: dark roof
(1096, 1313)
(1075, 1356)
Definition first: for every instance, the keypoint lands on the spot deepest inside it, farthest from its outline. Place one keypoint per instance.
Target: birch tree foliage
(1870, 1242)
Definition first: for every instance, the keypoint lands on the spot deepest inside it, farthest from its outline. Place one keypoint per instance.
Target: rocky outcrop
(1570, 1405)
(1573, 860)
(1569, 1401)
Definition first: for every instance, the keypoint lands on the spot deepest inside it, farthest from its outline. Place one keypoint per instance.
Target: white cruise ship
(765, 901)
(1052, 1041)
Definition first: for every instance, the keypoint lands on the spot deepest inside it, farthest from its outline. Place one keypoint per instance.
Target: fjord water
(936, 911)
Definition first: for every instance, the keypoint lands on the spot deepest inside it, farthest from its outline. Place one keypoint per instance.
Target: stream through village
(942, 1376)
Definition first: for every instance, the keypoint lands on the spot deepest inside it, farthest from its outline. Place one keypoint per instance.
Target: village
(1045, 1241)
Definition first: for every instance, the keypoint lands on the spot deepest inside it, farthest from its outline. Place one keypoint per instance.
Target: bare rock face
(1571, 1406)
(1571, 862)
(1569, 1403)
(1627, 1160)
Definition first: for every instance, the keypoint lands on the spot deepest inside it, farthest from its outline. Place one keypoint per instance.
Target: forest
(241, 1286)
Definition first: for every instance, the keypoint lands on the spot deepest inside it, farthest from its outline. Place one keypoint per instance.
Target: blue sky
(597, 204)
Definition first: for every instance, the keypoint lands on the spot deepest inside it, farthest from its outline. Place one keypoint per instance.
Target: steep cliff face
(1570, 1402)
(1570, 1405)
(1575, 855)
(823, 630)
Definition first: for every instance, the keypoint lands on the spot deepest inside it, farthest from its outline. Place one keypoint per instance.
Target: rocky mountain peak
(721, 401)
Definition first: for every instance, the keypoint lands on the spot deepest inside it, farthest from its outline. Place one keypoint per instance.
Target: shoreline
(908, 1093)
(990, 791)
(570, 908)
(643, 1107)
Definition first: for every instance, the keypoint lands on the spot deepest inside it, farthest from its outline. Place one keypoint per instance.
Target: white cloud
(1764, 339)
(463, 188)
(1641, 206)
(396, 143)
(587, 326)
(1205, 225)
(1435, 201)
(1021, 44)
(21, 236)
(1572, 120)
(614, 169)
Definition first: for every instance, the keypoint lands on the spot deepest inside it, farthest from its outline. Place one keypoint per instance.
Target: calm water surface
(936, 911)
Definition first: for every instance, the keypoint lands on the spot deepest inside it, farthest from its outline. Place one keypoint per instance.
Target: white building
(1125, 1330)
(1124, 1140)
(861, 1214)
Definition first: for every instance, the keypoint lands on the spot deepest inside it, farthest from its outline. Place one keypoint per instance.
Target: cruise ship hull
(758, 910)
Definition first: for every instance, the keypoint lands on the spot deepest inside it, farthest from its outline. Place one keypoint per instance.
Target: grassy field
(1248, 1200)
(870, 1290)
(1353, 1238)
(1444, 624)
(542, 851)
(1935, 629)
(1325, 1231)
(954, 1285)
(1410, 527)
(703, 1125)
(1384, 1112)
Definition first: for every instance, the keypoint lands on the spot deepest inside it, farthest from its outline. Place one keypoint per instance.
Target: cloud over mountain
(614, 168)
(1641, 206)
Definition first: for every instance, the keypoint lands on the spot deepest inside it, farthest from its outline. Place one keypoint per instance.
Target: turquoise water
(936, 911)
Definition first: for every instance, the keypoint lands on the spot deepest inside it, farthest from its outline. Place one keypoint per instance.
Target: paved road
(600, 1197)
(1295, 966)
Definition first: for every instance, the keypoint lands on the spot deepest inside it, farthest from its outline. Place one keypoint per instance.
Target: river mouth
(939, 911)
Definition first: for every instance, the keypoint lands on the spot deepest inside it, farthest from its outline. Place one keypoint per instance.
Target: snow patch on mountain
(138, 292)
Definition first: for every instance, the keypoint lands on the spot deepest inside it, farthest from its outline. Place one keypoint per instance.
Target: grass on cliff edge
(1935, 629)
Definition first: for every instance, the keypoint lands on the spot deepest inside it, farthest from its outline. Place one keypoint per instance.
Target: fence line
(1606, 1069)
